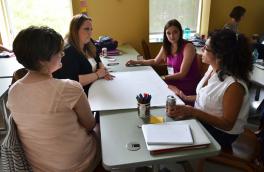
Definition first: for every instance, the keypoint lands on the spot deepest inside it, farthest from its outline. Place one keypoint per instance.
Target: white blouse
(93, 63)
(210, 99)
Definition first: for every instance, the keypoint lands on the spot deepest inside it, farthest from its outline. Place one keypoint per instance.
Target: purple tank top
(189, 82)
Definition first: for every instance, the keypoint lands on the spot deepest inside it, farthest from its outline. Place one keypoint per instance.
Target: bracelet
(97, 75)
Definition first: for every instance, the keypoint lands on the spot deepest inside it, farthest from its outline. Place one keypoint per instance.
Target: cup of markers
(143, 102)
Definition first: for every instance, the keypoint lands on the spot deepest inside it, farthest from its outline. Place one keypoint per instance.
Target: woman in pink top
(183, 74)
(53, 117)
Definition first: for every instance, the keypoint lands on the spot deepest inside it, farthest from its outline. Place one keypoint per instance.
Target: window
(187, 12)
(17, 15)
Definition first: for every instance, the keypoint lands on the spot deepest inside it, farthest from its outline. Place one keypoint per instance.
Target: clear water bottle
(255, 55)
(187, 33)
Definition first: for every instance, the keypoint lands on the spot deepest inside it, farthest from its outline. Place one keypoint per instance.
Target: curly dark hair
(166, 42)
(35, 44)
(233, 52)
(237, 13)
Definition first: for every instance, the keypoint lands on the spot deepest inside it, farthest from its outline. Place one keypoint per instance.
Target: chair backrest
(4, 110)
(20, 73)
(146, 50)
(202, 67)
(12, 154)
(246, 146)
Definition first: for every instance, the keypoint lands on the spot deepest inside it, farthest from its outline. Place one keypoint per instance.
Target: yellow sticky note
(156, 119)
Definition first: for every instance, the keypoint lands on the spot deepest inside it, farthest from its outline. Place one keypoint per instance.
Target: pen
(143, 99)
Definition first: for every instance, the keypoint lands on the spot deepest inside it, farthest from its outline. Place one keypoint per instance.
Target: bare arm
(88, 78)
(157, 60)
(91, 77)
(178, 92)
(2, 48)
(232, 102)
(84, 113)
(188, 57)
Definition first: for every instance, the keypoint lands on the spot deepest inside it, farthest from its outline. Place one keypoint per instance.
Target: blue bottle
(187, 33)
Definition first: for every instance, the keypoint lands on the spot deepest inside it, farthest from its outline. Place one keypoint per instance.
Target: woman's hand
(108, 76)
(132, 62)
(101, 72)
(179, 111)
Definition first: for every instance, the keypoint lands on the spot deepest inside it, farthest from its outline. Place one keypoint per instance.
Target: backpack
(106, 42)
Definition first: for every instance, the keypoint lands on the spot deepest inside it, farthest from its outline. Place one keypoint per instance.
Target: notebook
(167, 134)
(200, 139)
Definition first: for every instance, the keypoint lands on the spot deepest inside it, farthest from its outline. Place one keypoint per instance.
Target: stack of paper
(167, 134)
(172, 136)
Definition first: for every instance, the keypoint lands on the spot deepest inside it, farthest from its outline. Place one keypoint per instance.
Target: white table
(4, 84)
(8, 66)
(257, 76)
(121, 127)
(121, 92)
(118, 127)
(128, 52)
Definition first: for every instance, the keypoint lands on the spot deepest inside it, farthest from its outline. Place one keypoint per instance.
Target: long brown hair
(73, 36)
(166, 42)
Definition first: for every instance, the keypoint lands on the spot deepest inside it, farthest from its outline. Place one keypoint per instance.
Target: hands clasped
(103, 73)
(179, 111)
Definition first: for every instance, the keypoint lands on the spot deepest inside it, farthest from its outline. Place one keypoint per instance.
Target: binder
(200, 139)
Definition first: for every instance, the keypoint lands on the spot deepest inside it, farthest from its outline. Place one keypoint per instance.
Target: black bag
(106, 42)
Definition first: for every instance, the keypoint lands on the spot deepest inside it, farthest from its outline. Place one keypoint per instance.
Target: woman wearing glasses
(221, 102)
(183, 74)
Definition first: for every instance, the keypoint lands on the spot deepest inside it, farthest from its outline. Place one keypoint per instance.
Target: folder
(200, 139)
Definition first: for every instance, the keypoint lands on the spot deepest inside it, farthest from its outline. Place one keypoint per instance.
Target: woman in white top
(53, 117)
(221, 102)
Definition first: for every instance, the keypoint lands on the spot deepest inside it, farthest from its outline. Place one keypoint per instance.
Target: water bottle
(187, 33)
(255, 55)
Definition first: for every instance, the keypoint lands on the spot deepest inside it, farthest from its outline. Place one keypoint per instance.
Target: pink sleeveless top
(189, 82)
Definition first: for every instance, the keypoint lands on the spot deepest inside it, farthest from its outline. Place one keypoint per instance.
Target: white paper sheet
(121, 92)
(167, 134)
(200, 139)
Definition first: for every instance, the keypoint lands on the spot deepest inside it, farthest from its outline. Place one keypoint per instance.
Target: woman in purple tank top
(183, 74)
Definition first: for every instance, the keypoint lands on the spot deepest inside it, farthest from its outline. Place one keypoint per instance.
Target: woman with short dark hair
(235, 17)
(53, 117)
(221, 100)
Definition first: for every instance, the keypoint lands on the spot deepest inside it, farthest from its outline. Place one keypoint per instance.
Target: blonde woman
(81, 61)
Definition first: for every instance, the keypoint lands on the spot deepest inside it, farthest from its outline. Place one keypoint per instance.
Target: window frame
(158, 37)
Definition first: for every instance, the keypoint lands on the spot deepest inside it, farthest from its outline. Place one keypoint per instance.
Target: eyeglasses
(206, 48)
